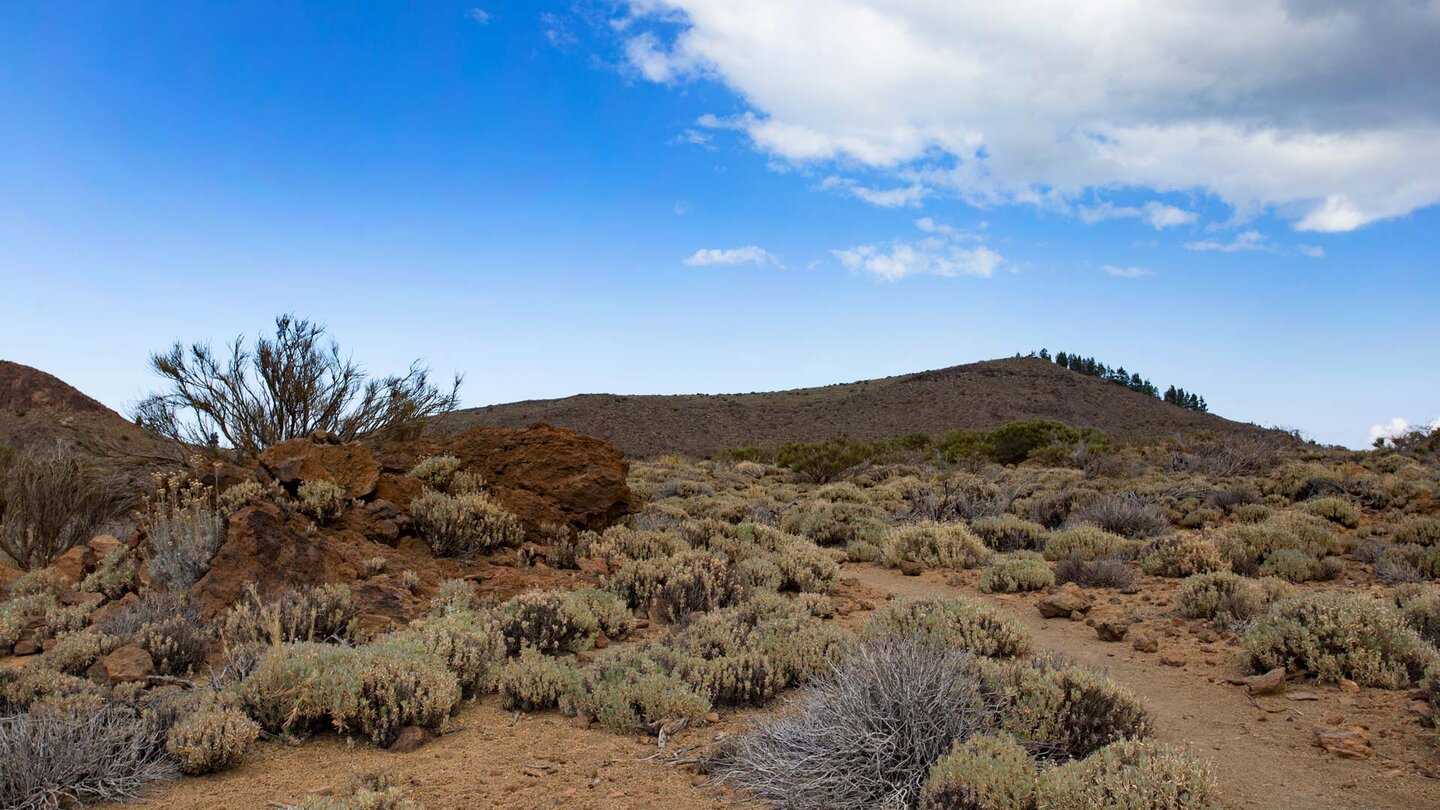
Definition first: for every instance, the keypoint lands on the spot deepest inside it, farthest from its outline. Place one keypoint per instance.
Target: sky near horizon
(680, 196)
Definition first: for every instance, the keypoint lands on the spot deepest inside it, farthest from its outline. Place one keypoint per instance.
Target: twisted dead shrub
(53, 500)
(55, 758)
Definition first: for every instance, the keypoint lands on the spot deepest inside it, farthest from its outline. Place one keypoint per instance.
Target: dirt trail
(1263, 759)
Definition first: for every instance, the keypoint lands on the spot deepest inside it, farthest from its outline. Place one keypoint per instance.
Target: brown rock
(112, 609)
(911, 569)
(1303, 696)
(409, 739)
(1145, 643)
(1172, 658)
(1271, 683)
(1067, 601)
(1347, 685)
(259, 548)
(1207, 635)
(84, 598)
(542, 473)
(712, 717)
(25, 646)
(351, 466)
(1350, 742)
(1111, 630)
(103, 544)
(125, 665)
(73, 565)
(398, 489)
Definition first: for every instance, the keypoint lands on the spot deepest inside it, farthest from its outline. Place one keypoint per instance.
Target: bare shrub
(54, 758)
(865, 736)
(1126, 515)
(1097, 573)
(53, 500)
(282, 389)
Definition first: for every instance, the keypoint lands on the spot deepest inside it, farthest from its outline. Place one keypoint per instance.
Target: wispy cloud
(557, 30)
(1128, 272)
(1313, 251)
(750, 254)
(694, 137)
(479, 15)
(1157, 215)
(681, 208)
(900, 197)
(938, 254)
(1247, 240)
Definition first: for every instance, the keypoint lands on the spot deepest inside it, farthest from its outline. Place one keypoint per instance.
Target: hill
(974, 396)
(39, 409)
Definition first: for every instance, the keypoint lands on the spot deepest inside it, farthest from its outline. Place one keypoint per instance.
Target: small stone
(127, 664)
(1145, 643)
(1350, 742)
(1172, 658)
(712, 717)
(74, 564)
(911, 569)
(1303, 696)
(103, 544)
(1207, 635)
(88, 600)
(409, 739)
(1065, 602)
(1271, 683)
(1110, 630)
(25, 646)
(1347, 685)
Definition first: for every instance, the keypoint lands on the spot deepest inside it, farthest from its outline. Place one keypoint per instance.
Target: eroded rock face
(351, 466)
(264, 549)
(543, 474)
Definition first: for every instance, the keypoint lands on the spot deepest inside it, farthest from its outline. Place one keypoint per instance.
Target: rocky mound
(979, 396)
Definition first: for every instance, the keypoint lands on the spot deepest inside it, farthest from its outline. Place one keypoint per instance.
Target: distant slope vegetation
(978, 396)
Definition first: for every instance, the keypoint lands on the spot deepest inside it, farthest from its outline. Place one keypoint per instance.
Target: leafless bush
(865, 736)
(1126, 515)
(52, 500)
(55, 758)
(282, 389)
(959, 498)
(1222, 457)
(1097, 574)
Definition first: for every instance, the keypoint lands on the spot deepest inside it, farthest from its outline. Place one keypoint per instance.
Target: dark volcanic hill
(975, 396)
(38, 409)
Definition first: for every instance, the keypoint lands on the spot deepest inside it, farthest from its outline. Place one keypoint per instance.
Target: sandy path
(1271, 763)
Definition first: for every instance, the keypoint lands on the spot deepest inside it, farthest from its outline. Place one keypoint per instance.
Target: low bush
(862, 551)
(169, 628)
(1422, 614)
(183, 529)
(823, 461)
(373, 690)
(546, 621)
(935, 545)
(319, 613)
(1064, 712)
(1338, 636)
(435, 471)
(369, 791)
(1251, 513)
(58, 758)
(1097, 573)
(1090, 543)
(1201, 517)
(1009, 533)
(960, 623)
(1181, 556)
(630, 693)
(1294, 565)
(210, 740)
(1125, 515)
(73, 653)
(1018, 574)
(1229, 599)
(1131, 775)
(1398, 564)
(1247, 546)
(464, 524)
(692, 581)
(805, 568)
(470, 645)
(322, 500)
(985, 772)
(1335, 510)
(534, 681)
(1419, 531)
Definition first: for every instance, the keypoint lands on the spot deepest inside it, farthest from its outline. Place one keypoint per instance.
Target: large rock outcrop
(350, 466)
(542, 473)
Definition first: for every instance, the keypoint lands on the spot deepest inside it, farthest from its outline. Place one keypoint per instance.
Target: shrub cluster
(1016, 574)
(464, 524)
(1009, 533)
(1229, 599)
(1089, 543)
(961, 623)
(317, 613)
(1181, 556)
(1338, 636)
(935, 545)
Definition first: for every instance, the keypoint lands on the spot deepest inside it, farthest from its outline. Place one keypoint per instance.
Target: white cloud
(682, 207)
(695, 137)
(936, 254)
(751, 254)
(905, 196)
(1247, 240)
(1157, 215)
(557, 30)
(1323, 110)
(1127, 272)
(479, 15)
(1313, 251)
(1397, 427)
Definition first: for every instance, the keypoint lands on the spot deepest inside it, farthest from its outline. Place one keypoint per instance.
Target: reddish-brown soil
(975, 396)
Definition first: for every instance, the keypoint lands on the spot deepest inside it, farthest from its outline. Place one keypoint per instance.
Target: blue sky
(677, 197)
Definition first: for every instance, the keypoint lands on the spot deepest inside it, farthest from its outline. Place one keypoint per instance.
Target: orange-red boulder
(543, 474)
(351, 466)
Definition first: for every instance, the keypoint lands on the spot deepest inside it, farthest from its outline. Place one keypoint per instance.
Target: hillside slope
(975, 396)
(38, 409)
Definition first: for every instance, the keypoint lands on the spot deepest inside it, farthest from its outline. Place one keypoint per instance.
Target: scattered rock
(1347, 685)
(1112, 630)
(25, 646)
(88, 600)
(103, 544)
(712, 717)
(911, 569)
(409, 739)
(1350, 742)
(1067, 601)
(125, 665)
(1172, 658)
(1271, 683)
(1303, 696)
(1144, 642)
(351, 466)
(1206, 635)
(72, 566)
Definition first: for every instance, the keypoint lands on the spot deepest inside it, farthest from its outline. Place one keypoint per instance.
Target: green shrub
(1065, 711)
(1131, 775)
(611, 616)
(1422, 614)
(74, 653)
(1251, 513)
(630, 693)
(469, 644)
(435, 471)
(210, 740)
(115, 574)
(935, 545)
(547, 621)
(827, 523)
(1335, 510)
(1294, 565)
(1420, 531)
(464, 524)
(985, 772)
(1008, 533)
(862, 551)
(1181, 556)
(169, 628)
(317, 613)
(1089, 543)
(1201, 517)
(1246, 546)
(805, 568)
(969, 624)
(238, 496)
(322, 500)
(373, 690)
(1228, 598)
(826, 460)
(1338, 636)
(534, 681)
(1017, 574)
